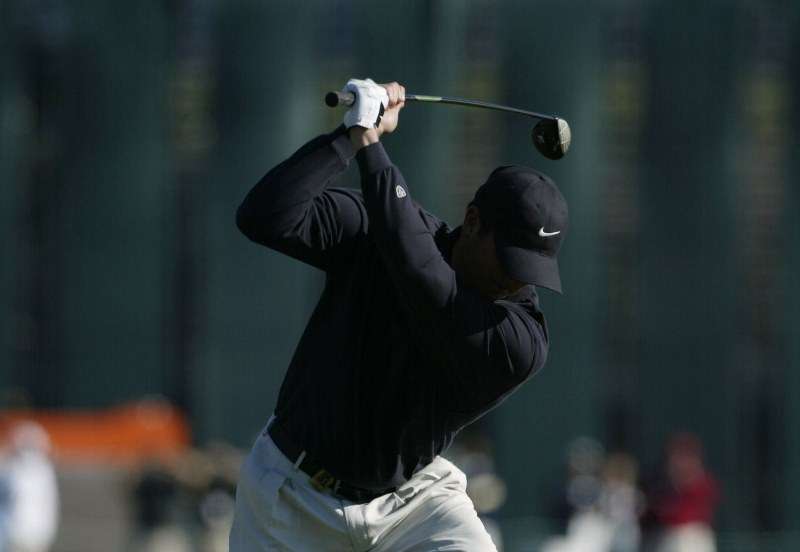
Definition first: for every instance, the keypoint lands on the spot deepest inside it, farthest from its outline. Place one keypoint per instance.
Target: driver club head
(552, 137)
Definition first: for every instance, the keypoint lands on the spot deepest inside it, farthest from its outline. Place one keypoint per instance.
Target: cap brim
(530, 267)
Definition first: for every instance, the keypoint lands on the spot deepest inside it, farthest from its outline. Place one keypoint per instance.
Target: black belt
(321, 479)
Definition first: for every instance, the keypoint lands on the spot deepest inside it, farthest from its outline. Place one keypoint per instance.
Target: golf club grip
(347, 99)
(334, 99)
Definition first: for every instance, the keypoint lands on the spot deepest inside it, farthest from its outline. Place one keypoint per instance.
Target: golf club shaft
(347, 99)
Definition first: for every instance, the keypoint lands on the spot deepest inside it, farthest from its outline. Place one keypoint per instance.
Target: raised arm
(292, 210)
(496, 345)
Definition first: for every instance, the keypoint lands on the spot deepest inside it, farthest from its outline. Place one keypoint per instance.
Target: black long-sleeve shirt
(399, 354)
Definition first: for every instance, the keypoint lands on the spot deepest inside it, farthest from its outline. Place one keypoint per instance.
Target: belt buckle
(323, 481)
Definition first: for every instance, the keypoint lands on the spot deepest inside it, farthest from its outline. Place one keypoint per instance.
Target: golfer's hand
(361, 137)
(397, 99)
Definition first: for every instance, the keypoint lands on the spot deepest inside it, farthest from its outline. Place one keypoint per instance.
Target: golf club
(551, 135)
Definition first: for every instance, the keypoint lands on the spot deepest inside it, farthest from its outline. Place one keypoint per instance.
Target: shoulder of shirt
(525, 303)
(431, 221)
(526, 299)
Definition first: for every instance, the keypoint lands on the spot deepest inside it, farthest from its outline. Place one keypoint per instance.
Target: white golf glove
(371, 100)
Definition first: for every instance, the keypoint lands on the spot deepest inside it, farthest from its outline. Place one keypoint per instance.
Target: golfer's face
(488, 275)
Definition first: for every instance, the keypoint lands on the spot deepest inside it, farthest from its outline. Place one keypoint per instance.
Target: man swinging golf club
(420, 330)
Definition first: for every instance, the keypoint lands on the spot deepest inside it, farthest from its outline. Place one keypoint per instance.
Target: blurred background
(143, 339)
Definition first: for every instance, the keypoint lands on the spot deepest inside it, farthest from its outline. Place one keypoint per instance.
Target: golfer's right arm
(292, 211)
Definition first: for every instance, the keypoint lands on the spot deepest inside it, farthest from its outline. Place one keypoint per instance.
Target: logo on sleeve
(544, 234)
(400, 192)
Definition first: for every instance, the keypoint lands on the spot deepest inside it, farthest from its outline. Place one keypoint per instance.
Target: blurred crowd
(186, 504)
(606, 505)
(163, 503)
(29, 502)
(183, 503)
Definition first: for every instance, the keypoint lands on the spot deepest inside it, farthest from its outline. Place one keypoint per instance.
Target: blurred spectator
(186, 502)
(585, 458)
(5, 498)
(682, 507)
(155, 496)
(586, 529)
(621, 502)
(216, 512)
(208, 476)
(473, 453)
(33, 490)
(602, 500)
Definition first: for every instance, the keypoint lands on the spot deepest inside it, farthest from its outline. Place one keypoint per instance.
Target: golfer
(420, 330)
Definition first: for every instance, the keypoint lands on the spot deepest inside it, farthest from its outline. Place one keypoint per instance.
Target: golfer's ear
(472, 220)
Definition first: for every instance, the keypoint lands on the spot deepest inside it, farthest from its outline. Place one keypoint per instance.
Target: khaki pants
(278, 510)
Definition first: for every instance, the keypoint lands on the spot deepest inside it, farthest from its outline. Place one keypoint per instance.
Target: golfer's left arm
(499, 344)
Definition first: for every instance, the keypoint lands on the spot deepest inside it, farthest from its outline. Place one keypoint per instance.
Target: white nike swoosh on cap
(544, 234)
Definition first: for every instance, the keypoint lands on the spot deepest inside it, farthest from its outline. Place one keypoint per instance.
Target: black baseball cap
(529, 217)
